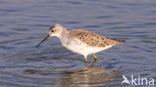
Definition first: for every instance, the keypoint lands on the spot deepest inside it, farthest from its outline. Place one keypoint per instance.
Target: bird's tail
(119, 41)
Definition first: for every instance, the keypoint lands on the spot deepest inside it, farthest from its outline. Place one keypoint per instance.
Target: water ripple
(24, 23)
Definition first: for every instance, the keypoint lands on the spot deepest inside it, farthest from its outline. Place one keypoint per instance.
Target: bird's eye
(52, 30)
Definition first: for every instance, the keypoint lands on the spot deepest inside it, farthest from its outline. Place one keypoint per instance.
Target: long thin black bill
(43, 41)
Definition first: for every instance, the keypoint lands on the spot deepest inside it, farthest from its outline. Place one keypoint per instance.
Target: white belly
(79, 47)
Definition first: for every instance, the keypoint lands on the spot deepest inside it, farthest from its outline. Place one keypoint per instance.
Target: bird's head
(54, 30)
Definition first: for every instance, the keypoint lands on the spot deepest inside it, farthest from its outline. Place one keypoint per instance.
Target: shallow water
(24, 23)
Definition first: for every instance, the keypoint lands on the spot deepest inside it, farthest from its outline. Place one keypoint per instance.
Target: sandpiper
(81, 41)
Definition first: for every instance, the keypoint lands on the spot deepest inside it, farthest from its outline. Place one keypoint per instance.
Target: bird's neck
(64, 37)
(64, 34)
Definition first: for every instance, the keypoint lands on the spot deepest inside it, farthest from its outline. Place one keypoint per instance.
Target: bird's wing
(92, 39)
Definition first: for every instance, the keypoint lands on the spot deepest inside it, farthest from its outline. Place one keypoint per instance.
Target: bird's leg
(95, 58)
(86, 62)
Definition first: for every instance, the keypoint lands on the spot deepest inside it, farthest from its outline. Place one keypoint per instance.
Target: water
(24, 23)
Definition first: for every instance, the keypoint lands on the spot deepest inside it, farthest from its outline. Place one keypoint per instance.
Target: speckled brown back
(93, 39)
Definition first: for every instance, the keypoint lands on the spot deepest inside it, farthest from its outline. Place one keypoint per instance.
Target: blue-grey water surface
(24, 23)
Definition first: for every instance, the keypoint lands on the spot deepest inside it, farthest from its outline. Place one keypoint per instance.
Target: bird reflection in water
(89, 76)
(86, 77)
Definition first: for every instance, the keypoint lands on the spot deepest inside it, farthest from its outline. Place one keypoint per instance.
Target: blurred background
(24, 23)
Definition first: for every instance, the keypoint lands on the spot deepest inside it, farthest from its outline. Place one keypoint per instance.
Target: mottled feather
(93, 39)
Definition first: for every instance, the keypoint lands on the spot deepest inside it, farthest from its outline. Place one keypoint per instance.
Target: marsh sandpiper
(81, 41)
